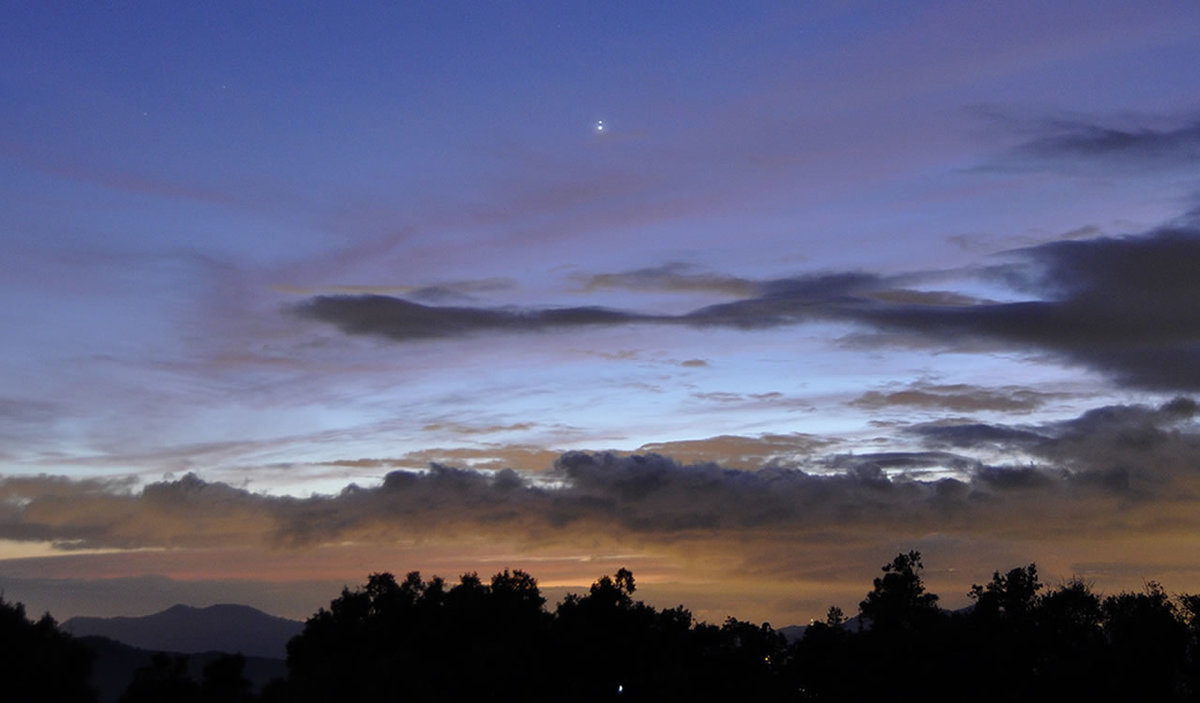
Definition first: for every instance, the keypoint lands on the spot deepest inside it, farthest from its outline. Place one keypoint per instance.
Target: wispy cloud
(464, 429)
(670, 278)
(453, 291)
(742, 452)
(958, 397)
(526, 458)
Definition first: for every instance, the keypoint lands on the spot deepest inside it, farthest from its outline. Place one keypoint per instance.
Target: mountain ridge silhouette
(224, 627)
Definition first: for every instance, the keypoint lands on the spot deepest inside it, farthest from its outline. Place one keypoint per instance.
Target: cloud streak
(671, 278)
(956, 398)
(1067, 141)
(403, 320)
(778, 303)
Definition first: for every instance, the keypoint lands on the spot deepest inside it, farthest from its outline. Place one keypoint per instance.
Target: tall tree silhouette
(899, 601)
(996, 641)
(905, 641)
(599, 642)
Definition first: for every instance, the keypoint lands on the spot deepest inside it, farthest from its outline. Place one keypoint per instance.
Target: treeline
(1016, 641)
(417, 640)
(411, 639)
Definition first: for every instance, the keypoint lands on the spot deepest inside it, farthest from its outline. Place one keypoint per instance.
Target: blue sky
(290, 247)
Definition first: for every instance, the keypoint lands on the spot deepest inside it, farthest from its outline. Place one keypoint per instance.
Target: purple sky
(865, 277)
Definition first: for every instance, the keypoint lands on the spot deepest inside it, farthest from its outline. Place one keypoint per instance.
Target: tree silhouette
(997, 637)
(1148, 643)
(820, 664)
(607, 646)
(1013, 595)
(749, 661)
(1189, 613)
(39, 662)
(1070, 641)
(599, 639)
(898, 601)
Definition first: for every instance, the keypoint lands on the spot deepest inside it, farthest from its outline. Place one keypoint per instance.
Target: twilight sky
(745, 297)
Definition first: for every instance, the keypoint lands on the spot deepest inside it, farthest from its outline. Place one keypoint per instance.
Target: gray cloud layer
(1135, 449)
(1111, 469)
(1123, 306)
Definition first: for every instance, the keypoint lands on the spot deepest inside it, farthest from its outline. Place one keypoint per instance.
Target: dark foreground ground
(413, 639)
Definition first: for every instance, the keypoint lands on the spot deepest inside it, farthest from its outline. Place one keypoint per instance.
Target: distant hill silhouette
(115, 663)
(181, 628)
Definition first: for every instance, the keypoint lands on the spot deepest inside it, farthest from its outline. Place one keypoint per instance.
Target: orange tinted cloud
(1112, 493)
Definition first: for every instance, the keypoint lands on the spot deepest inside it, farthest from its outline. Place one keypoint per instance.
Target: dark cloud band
(1128, 307)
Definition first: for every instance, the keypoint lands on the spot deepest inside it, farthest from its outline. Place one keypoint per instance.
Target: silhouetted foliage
(398, 640)
(1148, 645)
(414, 638)
(164, 680)
(902, 639)
(997, 634)
(223, 681)
(38, 662)
(167, 679)
(610, 647)
(1012, 596)
(899, 602)
(391, 641)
